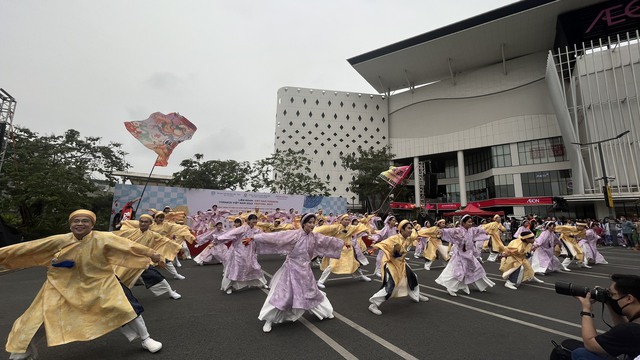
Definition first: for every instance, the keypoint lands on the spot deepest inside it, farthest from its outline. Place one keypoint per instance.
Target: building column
(416, 181)
(462, 182)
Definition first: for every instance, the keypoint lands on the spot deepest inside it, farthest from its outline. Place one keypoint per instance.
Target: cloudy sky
(91, 65)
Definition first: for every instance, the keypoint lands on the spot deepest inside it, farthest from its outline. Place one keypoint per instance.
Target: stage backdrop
(192, 200)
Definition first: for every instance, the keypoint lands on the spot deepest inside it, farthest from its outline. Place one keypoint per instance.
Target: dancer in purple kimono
(199, 222)
(293, 287)
(464, 268)
(589, 246)
(213, 250)
(544, 259)
(242, 268)
(525, 226)
(216, 215)
(422, 241)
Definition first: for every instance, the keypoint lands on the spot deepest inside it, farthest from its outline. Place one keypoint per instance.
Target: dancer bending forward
(293, 287)
(397, 278)
(464, 268)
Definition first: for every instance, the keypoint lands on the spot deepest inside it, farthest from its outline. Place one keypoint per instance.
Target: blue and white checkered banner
(192, 200)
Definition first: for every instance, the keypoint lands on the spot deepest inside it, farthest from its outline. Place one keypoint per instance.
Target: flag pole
(390, 192)
(145, 185)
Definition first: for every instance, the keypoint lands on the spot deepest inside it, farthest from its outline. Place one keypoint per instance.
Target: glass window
(546, 183)
(541, 151)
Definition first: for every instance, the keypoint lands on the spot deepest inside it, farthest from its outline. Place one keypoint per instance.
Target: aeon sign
(533, 201)
(616, 14)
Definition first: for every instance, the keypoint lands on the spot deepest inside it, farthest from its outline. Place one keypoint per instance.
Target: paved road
(206, 323)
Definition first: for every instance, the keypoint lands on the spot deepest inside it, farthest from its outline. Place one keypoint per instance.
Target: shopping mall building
(528, 108)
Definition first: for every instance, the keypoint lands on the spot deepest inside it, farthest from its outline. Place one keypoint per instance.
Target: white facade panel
(327, 124)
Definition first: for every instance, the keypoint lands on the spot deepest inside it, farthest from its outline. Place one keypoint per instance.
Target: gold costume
(173, 231)
(79, 303)
(270, 227)
(494, 229)
(392, 246)
(517, 256)
(166, 248)
(347, 263)
(568, 235)
(431, 250)
(172, 216)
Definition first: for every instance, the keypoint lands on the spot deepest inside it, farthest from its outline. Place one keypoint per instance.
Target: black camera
(597, 294)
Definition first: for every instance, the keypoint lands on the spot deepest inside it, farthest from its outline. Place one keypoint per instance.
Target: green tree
(44, 178)
(287, 172)
(212, 174)
(368, 164)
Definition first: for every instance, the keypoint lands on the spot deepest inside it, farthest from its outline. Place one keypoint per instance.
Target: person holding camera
(623, 300)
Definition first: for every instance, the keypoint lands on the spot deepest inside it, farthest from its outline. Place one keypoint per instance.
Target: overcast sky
(91, 65)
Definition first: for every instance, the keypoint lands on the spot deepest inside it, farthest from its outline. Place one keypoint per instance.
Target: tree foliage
(44, 178)
(368, 164)
(287, 172)
(212, 174)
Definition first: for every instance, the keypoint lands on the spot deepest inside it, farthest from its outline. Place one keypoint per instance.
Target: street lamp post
(353, 203)
(605, 189)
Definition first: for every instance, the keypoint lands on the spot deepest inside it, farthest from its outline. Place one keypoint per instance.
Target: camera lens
(565, 288)
(597, 294)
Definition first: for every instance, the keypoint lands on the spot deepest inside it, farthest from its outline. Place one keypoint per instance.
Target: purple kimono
(241, 260)
(296, 287)
(466, 266)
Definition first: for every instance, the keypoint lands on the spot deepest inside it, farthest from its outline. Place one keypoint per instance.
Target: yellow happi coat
(173, 231)
(270, 227)
(161, 244)
(494, 229)
(172, 216)
(79, 303)
(396, 265)
(517, 256)
(569, 235)
(431, 233)
(347, 263)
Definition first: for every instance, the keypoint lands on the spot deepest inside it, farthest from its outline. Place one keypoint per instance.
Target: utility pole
(606, 189)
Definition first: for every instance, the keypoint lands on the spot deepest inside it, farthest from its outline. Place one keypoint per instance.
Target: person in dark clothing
(623, 302)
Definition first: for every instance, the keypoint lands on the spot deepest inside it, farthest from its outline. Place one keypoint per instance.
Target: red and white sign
(523, 201)
(448, 206)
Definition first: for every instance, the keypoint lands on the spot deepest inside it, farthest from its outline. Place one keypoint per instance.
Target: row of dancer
(82, 298)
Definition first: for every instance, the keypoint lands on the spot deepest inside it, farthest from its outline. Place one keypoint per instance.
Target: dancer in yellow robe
(515, 264)
(151, 278)
(175, 232)
(494, 229)
(569, 236)
(347, 263)
(434, 249)
(398, 280)
(82, 298)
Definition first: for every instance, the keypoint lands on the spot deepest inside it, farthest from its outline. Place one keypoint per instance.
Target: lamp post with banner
(606, 188)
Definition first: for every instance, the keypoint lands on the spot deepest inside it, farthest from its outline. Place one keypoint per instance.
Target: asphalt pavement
(207, 323)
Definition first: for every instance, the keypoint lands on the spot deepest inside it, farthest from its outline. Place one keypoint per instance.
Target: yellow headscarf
(83, 212)
(402, 224)
(146, 216)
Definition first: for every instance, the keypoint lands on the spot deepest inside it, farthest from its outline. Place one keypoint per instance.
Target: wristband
(585, 313)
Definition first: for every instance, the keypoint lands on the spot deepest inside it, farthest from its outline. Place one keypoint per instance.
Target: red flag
(162, 133)
(395, 174)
